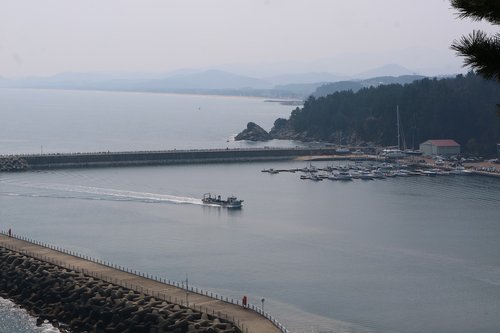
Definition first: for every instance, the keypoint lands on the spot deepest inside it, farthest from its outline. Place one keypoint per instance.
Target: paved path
(246, 319)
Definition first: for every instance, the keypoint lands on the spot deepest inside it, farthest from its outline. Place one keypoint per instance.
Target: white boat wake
(106, 194)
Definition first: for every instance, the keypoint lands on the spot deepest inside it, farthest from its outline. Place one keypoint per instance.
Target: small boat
(402, 173)
(316, 178)
(393, 153)
(342, 151)
(271, 171)
(390, 174)
(230, 202)
(309, 169)
(460, 170)
(312, 176)
(440, 172)
(377, 174)
(412, 152)
(365, 175)
(345, 176)
(429, 173)
(355, 174)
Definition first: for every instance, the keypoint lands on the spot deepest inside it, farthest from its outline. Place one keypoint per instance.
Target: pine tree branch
(478, 9)
(481, 52)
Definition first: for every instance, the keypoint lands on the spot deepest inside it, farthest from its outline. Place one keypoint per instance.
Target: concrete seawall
(105, 159)
(90, 295)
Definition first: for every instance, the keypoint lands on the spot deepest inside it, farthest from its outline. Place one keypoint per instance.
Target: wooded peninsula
(463, 108)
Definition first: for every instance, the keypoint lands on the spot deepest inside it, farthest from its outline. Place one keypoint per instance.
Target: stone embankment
(75, 302)
(13, 163)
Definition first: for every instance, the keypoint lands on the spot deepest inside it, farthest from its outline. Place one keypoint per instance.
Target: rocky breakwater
(74, 302)
(13, 163)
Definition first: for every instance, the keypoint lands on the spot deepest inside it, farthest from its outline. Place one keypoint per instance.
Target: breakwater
(104, 159)
(90, 295)
(74, 302)
(13, 163)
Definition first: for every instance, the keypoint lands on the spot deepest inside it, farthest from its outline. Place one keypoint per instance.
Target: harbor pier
(115, 297)
(111, 159)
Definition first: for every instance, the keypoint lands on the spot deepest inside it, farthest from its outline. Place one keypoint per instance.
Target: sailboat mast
(397, 116)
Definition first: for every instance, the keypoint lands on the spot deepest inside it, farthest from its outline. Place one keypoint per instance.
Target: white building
(440, 147)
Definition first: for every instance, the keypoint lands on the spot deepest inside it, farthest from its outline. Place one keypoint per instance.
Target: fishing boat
(230, 202)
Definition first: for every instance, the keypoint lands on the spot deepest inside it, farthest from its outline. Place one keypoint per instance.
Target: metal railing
(244, 328)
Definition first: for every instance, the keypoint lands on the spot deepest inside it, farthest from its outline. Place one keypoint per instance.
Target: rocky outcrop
(282, 130)
(74, 302)
(253, 132)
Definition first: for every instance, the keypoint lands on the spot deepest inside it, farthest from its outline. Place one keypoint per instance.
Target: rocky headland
(282, 130)
(253, 132)
(74, 302)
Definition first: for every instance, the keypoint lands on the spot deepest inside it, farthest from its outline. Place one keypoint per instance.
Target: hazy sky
(41, 37)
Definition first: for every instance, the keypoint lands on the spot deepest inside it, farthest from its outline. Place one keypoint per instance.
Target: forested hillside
(356, 85)
(462, 108)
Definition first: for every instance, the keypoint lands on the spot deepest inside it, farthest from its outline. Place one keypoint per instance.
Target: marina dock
(248, 319)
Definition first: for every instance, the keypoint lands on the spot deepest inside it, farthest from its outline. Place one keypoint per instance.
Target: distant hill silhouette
(386, 70)
(220, 82)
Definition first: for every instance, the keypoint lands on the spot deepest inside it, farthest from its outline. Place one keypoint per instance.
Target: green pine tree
(481, 51)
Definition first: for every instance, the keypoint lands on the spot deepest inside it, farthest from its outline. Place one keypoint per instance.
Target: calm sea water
(55, 121)
(395, 255)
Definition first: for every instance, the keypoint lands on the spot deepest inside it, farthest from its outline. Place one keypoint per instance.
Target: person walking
(244, 301)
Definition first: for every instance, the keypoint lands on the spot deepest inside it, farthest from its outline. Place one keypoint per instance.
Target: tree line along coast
(462, 108)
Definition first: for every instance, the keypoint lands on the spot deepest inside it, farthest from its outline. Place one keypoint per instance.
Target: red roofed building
(440, 147)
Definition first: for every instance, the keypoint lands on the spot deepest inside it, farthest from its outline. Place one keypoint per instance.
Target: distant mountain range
(213, 81)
